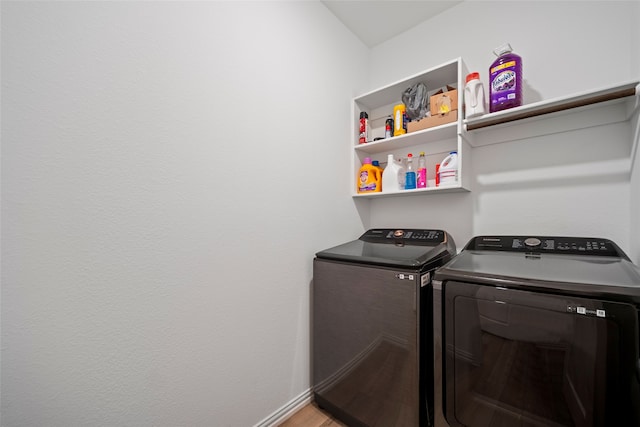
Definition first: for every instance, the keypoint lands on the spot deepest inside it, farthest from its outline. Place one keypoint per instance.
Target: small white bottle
(392, 176)
(473, 96)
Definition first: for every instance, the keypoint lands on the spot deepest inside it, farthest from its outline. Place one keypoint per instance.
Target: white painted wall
(168, 172)
(567, 47)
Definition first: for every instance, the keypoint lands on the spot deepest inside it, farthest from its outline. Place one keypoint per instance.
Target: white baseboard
(287, 410)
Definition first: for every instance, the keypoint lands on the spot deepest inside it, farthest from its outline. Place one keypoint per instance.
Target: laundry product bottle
(399, 120)
(422, 171)
(505, 80)
(393, 175)
(410, 176)
(377, 165)
(388, 127)
(369, 178)
(473, 96)
(363, 128)
(449, 169)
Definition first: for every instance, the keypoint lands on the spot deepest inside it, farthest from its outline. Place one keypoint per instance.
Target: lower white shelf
(451, 188)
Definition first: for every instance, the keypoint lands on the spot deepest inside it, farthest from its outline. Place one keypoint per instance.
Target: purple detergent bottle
(505, 80)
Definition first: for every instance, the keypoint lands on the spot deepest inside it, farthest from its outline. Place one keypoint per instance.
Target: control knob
(532, 242)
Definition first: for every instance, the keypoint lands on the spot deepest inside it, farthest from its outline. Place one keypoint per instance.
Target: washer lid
(394, 247)
(566, 265)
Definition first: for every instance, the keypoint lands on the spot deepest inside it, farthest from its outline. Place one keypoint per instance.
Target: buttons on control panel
(558, 245)
(408, 236)
(435, 235)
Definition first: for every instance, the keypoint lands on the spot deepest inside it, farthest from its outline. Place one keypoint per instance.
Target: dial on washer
(532, 242)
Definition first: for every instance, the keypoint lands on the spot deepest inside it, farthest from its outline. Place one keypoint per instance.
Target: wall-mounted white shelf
(612, 104)
(607, 105)
(426, 136)
(436, 142)
(415, 192)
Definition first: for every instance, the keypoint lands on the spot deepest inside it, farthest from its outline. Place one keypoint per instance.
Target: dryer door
(520, 358)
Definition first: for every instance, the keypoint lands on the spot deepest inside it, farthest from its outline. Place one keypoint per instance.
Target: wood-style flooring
(311, 416)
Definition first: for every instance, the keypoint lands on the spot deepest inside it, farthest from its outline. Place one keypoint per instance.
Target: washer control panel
(547, 244)
(407, 236)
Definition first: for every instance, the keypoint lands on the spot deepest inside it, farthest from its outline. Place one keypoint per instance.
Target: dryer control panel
(406, 236)
(547, 244)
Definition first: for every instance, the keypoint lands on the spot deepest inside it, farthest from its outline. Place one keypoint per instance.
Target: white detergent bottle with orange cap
(449, 169)
(473, 96)
(369, 178)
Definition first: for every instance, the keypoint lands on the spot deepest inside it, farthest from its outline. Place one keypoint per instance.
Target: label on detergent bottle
(422, 178)
(410, 181)
(505, 80)
(366, 183)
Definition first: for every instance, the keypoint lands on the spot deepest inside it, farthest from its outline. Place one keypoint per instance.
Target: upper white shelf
(560, 114)
(433, 78)
(425, 136)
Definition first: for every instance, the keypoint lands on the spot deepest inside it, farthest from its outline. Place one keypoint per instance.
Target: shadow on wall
(529, 94)
(569, 159)
(364, 212)
(584, 174)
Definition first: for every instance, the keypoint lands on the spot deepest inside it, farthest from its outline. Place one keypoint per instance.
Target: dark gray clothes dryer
(537, 331)
(372, 330)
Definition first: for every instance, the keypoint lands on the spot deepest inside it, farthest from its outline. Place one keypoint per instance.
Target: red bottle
(364, 127)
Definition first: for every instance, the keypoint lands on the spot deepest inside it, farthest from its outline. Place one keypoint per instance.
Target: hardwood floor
(311, 416)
